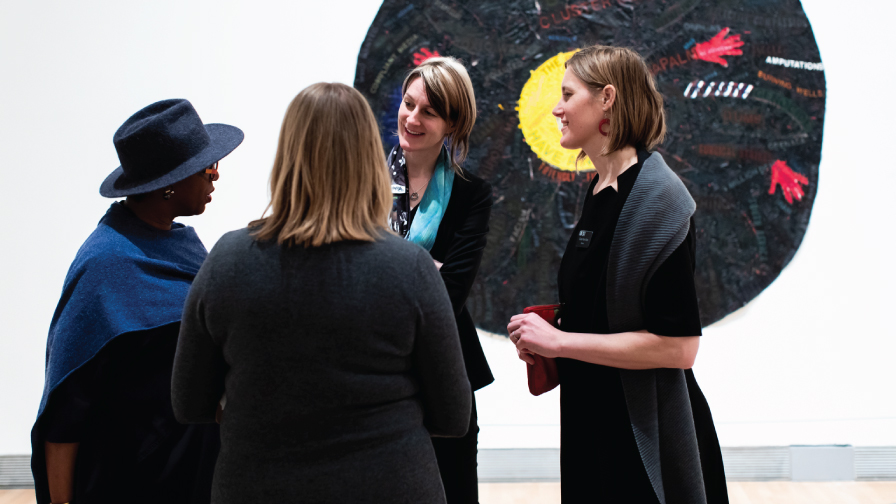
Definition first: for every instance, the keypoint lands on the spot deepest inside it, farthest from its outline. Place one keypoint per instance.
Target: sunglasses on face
(212, 172)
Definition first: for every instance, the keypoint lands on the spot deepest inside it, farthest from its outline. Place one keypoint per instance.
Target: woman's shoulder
(241, 241)
(471, 186)
(111, 246)
(397, 247)
(659, 200)
(657, 177)
(233, 242)
(234, 247)
(104, 256)
(404, 256)
(466, 179)
(236, 237)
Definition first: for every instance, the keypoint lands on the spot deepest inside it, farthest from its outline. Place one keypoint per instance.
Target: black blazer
(459, 244)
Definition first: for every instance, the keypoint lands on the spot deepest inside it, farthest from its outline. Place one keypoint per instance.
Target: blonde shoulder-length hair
(450, 93)
(636, 118)
(330, 181)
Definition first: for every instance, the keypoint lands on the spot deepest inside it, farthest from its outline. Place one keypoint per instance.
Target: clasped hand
(534, 335)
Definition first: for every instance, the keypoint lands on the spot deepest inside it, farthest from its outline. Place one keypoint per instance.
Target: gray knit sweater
(338, 362)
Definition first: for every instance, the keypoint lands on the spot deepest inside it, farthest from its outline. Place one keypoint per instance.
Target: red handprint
(718, 46)
(789, 181)
(424, 54)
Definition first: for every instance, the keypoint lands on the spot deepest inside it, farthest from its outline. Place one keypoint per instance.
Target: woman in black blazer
(445, 210)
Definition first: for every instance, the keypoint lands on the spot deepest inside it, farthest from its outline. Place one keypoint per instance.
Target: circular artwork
(541, 129)
(744, 92)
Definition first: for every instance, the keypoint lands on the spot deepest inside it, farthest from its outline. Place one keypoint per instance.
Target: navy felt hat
(165, 143)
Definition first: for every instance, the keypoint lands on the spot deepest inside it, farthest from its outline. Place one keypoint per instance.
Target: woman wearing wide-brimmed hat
(105, 430)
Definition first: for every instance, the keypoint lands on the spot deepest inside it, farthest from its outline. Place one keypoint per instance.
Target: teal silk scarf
(432, 207)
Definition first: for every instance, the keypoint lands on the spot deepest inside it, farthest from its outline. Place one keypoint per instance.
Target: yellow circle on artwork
(540, 128)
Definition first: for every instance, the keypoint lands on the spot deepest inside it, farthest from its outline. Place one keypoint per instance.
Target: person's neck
(422, 164)
(611, 166)
(152, 213)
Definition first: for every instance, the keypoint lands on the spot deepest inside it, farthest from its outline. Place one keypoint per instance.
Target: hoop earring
(168, 193)
(600, 126)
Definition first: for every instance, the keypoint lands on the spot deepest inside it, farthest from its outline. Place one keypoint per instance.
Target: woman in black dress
(445, 209)
(635, 426)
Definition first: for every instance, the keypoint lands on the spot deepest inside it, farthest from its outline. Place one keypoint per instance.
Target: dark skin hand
(61, 470)
(189, 198)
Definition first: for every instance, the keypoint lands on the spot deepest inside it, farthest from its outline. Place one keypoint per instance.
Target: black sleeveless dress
(599, 458)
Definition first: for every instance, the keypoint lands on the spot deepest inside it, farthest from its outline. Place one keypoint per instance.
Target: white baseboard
(753, 463)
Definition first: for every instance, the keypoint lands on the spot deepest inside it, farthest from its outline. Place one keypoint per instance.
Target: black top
(460, 243)
(671, 298)
(599, 456)
(118, 407)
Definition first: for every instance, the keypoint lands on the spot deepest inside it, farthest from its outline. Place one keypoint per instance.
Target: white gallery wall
(810, 361)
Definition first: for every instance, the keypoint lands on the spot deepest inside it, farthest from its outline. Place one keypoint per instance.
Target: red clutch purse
(543, 374)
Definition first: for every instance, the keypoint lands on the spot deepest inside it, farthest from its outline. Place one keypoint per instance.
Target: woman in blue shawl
(105, 430)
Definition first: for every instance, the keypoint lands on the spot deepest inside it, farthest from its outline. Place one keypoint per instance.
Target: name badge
(584, 239)
(398, 189)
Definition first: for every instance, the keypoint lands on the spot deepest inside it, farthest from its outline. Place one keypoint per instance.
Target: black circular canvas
(744, 93)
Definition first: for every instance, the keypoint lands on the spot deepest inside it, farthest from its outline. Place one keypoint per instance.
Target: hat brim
(224, 138)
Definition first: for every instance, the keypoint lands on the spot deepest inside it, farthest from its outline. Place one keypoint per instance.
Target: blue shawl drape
(128, 276)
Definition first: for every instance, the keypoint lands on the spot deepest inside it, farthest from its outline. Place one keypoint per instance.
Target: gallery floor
(778, 492)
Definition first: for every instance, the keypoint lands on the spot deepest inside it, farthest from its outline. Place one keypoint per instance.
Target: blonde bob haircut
(450, 94)
(330, 181)
(636, 117)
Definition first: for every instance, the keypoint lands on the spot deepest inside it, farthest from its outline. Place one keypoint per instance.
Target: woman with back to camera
(105, 431)
(445, 209)
(635, 426)
(332, 337)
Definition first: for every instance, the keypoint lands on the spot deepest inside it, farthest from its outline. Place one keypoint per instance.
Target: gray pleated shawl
(654, 222)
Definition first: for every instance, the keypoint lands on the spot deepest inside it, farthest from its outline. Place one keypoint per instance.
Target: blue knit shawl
(128, 276)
